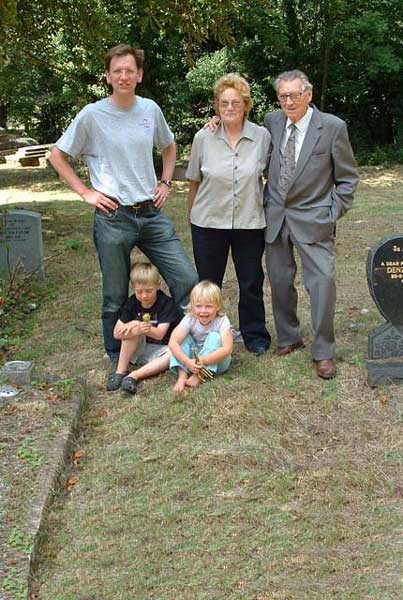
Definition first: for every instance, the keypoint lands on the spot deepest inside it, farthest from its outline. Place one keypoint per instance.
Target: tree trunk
(325, 72)
(326, 44)
(293, 28)
(3, 115)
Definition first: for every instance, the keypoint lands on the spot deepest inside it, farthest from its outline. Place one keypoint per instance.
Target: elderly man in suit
(311, 181)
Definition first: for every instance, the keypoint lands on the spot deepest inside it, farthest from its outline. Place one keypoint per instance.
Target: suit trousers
(211, 249)
(318, 272)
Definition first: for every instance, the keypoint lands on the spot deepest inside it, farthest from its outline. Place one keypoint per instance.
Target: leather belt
(136, 207)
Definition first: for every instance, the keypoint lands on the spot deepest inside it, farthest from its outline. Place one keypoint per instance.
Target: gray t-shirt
(199, 332)
(117, 144)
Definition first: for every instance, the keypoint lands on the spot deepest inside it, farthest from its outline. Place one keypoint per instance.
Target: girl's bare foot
(192, 381)
(180, 385)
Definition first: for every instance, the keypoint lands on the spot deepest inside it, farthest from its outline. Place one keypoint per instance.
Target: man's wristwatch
(167, 182)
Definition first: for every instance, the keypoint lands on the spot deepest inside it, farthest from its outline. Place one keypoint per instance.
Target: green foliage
(20, 540)
(66, 387)
(51, 58)
(74, 244)
(197, 100)
(209, 68)
(12, 583)
(18, 298)
(28, 453)
(385, 155)
(197, 97)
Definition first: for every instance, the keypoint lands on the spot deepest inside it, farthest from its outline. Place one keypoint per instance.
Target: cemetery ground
(267, 483)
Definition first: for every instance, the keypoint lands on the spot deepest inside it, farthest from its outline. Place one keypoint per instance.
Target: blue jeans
(211, 343)
(116, 233)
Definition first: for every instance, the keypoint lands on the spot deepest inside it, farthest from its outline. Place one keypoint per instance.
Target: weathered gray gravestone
(21, 242)
(385, 282)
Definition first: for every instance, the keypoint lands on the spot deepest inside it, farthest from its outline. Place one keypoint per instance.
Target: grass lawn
(267, 483)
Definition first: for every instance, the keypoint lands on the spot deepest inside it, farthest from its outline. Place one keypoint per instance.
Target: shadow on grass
(39, 179)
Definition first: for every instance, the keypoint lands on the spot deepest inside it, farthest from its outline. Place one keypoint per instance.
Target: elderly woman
(226, 203)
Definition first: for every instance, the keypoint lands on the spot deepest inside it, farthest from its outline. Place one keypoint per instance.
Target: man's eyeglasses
(294, 96)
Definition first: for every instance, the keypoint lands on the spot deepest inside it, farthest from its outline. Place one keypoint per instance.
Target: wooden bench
(30, 156)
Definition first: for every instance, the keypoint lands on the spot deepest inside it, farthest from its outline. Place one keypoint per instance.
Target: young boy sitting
(145, 324)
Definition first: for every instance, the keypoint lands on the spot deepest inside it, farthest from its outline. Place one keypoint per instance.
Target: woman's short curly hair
(238, 83)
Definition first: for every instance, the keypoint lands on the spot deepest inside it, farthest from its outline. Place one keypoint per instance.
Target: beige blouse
(230, 195)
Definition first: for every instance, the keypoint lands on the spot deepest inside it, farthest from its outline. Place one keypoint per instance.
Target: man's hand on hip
(98, 200)
(161, 195)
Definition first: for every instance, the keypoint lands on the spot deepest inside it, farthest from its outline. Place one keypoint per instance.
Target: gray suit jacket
(324, 181)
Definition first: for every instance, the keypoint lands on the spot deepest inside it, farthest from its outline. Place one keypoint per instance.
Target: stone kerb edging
(49, 481)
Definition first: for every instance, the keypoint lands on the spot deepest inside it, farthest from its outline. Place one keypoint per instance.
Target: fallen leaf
(383, 400)
(70, 483)
(103, 413)
(43, 386)
(76, 456)
(9, 410)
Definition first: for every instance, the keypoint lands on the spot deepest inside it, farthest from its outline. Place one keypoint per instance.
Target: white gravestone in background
(21, 242)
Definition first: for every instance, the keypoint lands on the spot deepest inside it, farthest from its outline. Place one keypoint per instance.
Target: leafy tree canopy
(51, 56)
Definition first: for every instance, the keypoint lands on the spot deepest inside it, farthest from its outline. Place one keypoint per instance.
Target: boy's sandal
(115, 381)
(129, 384)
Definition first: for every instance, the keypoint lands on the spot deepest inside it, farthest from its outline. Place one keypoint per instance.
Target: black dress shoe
(257, 349)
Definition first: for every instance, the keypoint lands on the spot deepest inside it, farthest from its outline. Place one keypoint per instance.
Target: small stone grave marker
(21, 242)
(18, 371)
(385, 282)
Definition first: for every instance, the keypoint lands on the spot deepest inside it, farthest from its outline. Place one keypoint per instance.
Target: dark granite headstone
(21, 242)
(385, 282)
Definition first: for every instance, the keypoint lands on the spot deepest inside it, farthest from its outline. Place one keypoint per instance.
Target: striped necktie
(288, 162)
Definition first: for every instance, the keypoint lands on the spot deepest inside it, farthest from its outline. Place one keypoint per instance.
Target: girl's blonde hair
(144, 273)
(206, 290)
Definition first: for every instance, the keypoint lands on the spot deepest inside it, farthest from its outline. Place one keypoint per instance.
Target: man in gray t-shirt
(116, 136)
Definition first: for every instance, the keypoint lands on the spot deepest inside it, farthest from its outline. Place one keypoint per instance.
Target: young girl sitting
(205, 331)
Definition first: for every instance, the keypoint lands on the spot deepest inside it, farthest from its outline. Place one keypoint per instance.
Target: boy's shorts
(146, 352)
